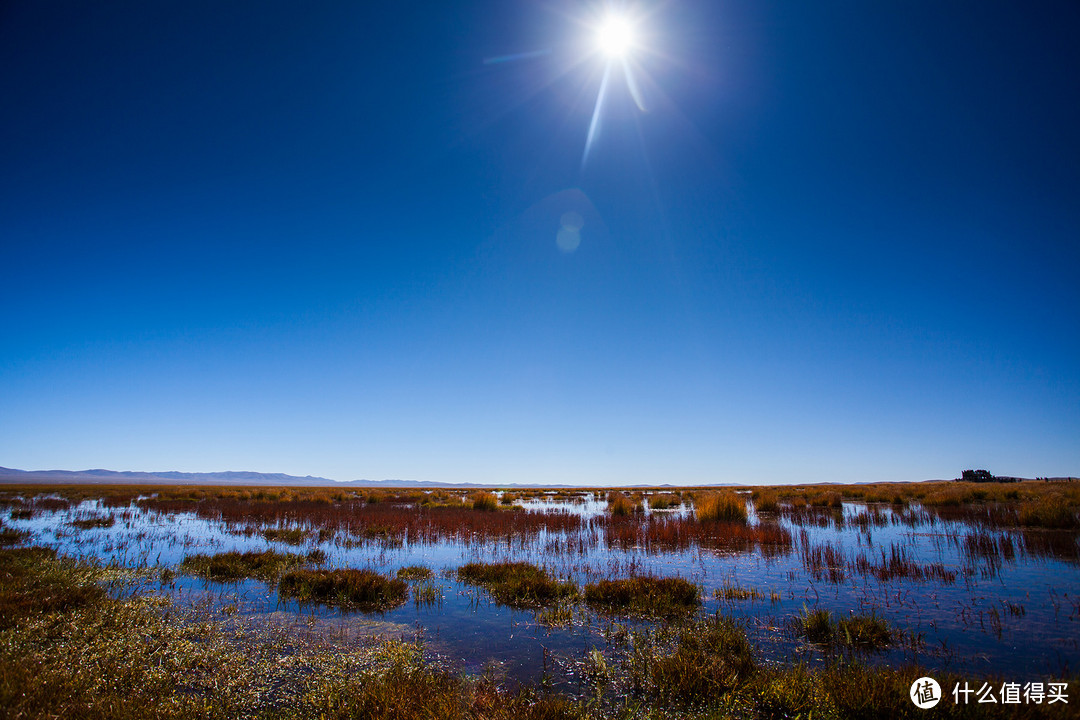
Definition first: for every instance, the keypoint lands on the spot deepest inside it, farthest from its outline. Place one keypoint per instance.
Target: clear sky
(822, 241)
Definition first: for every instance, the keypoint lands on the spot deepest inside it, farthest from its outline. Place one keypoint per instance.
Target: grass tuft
(856, 632)
(517, 584)
(230, 566)
(723, 506)
(816, 626)
(485, 501)
(644, 595)
(619, 505)
(363, 589)
(868, 632)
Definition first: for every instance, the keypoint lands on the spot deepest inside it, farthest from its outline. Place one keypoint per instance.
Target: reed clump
(517, 584)
(897, 565)
(485, 501)
(426, 594)
(51, 504)
(765, 500)
(644, 595)
(344, 587)
(723, 506)
(619, 505)
(664, 501)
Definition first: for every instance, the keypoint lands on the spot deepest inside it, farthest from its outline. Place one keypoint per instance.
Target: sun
(615, 37)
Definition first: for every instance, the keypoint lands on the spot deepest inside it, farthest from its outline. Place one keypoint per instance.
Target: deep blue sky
(842, 243)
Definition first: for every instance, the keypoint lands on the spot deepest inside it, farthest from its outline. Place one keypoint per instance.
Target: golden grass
(720, 506)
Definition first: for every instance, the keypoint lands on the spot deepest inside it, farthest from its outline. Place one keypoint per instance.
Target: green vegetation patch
(347, 587)
(517, 584)
(230, 566)
(865, 631)
(644, 595)
(856, 632)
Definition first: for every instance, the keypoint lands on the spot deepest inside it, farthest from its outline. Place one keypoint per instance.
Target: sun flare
(615, 36)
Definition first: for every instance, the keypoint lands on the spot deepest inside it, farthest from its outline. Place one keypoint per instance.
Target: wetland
(787, 601)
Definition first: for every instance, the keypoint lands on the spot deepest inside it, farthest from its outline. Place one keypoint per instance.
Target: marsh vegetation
(699, 603)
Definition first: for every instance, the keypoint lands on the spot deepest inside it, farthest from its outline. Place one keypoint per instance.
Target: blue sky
(840, 243)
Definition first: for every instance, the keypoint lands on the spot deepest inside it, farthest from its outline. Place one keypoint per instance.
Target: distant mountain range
(113, 477)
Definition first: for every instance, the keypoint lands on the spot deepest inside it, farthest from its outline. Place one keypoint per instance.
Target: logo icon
(925, 693)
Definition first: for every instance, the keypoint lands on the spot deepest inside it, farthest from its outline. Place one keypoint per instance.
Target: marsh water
(968, 597)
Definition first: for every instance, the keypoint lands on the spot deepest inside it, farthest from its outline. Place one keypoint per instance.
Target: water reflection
(968, 592)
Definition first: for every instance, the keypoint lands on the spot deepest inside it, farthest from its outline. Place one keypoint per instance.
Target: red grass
(387, 520)
(657, 533)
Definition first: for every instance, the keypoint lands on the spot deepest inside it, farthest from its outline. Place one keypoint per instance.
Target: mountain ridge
(249, 477)
(241, 477)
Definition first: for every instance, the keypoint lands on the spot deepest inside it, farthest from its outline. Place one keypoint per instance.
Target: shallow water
(992, 602)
